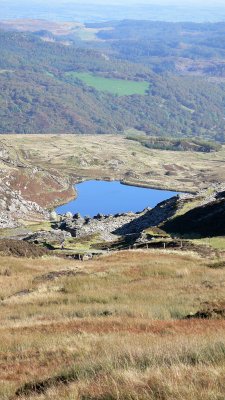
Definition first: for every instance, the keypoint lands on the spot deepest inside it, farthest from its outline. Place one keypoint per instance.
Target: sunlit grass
(217, 242)
(116, 331)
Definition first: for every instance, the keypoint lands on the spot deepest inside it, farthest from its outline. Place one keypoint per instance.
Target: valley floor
(116, 327)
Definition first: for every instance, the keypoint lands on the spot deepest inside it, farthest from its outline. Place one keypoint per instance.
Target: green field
(119, 87)
(88, 34)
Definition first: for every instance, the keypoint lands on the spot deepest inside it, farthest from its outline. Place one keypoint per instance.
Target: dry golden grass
(114, 331)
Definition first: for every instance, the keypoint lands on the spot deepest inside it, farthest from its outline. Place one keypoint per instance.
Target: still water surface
(112, 197)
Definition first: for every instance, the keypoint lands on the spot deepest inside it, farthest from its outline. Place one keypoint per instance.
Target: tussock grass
(217, 265)
(115, 332)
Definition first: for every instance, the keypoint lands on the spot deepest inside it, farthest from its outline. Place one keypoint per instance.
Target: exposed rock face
(214, 192)
(25, 190)
(13, 207)
(105, 225)
(52, 236)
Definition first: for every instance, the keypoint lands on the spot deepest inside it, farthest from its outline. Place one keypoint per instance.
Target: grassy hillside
(112, 328)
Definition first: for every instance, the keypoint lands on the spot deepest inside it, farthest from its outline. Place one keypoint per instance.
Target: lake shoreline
(109, 158)
(122, 182)
(119, 200)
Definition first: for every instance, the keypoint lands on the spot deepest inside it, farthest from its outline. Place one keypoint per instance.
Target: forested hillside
(183, 47)
(41, 91)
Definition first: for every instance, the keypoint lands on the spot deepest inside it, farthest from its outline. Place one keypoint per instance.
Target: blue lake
(112, 197)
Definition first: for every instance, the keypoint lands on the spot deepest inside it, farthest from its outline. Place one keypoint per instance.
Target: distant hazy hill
(114, 10)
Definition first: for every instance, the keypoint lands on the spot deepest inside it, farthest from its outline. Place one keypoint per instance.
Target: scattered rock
(104, 225)
(209, 311)
(51, 276)
(54, 236)
(14, 207)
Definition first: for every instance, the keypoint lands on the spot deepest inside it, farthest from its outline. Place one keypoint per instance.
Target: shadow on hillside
(153, 217)
(204, 221)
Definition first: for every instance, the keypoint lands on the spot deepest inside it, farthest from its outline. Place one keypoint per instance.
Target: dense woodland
(175, 47)
(39, 96)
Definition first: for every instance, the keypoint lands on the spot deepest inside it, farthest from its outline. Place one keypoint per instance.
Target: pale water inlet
(112, 197)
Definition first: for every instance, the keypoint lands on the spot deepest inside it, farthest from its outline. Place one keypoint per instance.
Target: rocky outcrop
(104, 225)
(25, 190)
(13, 207)
(54, 236)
